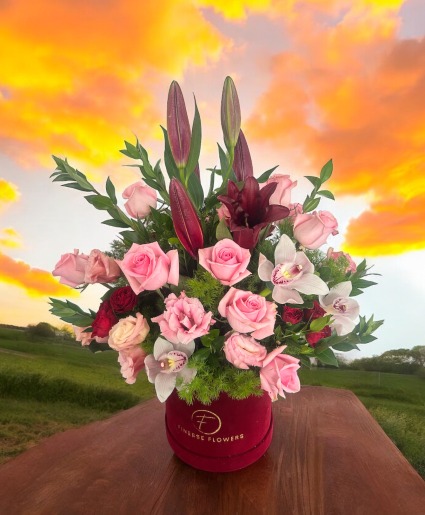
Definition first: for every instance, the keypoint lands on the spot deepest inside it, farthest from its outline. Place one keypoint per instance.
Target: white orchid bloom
(166, 364)
(292, 272)
(343, 309)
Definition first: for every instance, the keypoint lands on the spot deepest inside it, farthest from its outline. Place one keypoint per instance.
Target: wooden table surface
(328, 456)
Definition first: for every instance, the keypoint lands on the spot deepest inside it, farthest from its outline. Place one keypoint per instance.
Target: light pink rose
(141, 198)
(279, 374)
(247, 312)
(282, 194)
(295, 209)
(147, 267)
(132, 361)
(101, 268)
(128, 332)
(243, 351)
(223, 212)
(351, 267)
(312, 229)
(184, 319)
(226, 261)
(81, 336)
(71, 268)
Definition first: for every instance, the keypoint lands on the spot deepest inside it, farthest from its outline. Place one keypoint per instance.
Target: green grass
(396, 401)
(47, 387)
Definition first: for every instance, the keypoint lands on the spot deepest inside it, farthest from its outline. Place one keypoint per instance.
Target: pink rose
(226, 261)
(243, 351)
(141, 198)
(71, 269)
(128, 332)
(351, 265)
(81, 336)
(184, 319)
(247, 312)
(295, 209)
(223, 212)
(101, 268)
(132, 361)
(279, 374)
(312, 230)
(147, 267)
(282, 194)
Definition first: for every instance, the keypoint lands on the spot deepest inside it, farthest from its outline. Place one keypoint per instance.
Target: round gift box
(223, 436)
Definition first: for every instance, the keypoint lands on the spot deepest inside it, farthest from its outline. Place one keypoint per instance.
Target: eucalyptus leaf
(326, 171)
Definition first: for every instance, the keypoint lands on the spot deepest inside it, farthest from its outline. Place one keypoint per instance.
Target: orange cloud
(350, 89)
(77, 79)
(8, 192)
(10, 238)
(36, 282)
(236, 9)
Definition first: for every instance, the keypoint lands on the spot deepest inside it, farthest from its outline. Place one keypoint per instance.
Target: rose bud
(140, 199)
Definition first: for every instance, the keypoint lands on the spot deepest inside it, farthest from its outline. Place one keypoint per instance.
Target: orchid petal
(310, 284)
(187, 374)
(284, 296)
(285, 250)
(342, 325)
(161, 347)
(307, 265)
(265, 268)
(164, 385)
(188, 348)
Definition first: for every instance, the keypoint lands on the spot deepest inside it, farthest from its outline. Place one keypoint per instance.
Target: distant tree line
(44, 330)
(398, 361)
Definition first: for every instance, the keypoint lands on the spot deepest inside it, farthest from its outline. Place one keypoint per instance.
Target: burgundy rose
(104, 320)
(315, 312)
(123, 300)
(292, 315)
(314, 337)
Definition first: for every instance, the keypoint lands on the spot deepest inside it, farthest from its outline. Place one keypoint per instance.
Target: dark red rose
(104, 320)
(292, 315)
(313, 338)
(123, 300)
(315, 312)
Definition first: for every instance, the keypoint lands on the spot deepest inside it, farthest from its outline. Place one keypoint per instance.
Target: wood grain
(328, 456)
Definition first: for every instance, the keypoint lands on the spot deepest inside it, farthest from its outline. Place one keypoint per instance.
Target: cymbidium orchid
(250, 210)
(343, 309)
(166, 364)
(292, 272)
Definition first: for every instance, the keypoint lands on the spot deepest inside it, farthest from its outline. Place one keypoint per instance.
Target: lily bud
(185, 220)
(178, 127)
(242, 162)
(230, 113)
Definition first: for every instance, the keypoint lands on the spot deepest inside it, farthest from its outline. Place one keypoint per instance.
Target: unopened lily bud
(242, 162)
(230, 113)
(178, 127)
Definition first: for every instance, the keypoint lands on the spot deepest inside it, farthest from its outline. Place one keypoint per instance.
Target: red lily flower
(250, 210)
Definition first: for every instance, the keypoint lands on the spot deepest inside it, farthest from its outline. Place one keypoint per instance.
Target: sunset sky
(318, 79)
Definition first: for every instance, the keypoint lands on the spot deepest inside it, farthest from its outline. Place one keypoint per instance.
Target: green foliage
(206, 288)
(41, 330)
(71, 313)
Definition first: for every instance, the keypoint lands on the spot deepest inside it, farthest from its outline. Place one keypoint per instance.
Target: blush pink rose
(81, 336)
(226, 261)
(312, 230)
(295, 209)
(101, 268)
(247, 312)
(184, 319)
(243, 351)
(279, 374)
(71, 269)
(132, 361)
(223, 213)
(128, 332)
(147, 267)
(282, 193)
(351, 265)
(141, 198)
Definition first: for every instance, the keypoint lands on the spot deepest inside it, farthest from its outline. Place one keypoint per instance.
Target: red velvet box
(223, 436)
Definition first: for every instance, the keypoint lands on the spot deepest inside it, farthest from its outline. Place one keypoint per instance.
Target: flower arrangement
(224, 292)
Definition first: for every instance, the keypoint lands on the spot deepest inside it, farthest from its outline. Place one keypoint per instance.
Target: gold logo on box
(206, 422)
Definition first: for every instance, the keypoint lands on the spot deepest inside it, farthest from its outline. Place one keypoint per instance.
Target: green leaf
(99, 202)
(170, 164)
(130, 236)
(326, 171)
(363, 283)
(130, 151)
(195, 191)
(195, 144)
(327, 357)
(110, 190)
(208, 339)
(264, 176)
(222, 231)
(115, 223)
(327, 194)
(310, 204)
(319, 323)
(315, 181)
(75, 186)
(224, 161)
(345, 346)
(367, 338)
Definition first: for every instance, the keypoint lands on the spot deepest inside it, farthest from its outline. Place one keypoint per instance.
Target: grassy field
(47, 387)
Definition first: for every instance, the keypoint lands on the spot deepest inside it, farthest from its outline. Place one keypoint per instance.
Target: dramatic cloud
(8, 193)
(350, 89)
(236, 9)
(10, 238)
(77, 77)
(36, 282)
